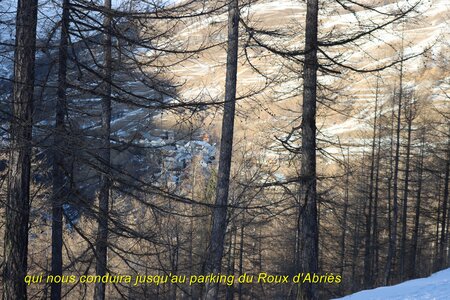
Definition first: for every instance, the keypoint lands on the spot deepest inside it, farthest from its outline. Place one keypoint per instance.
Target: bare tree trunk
(219, 226)
(105, 154)
(415, 238)
(231, 262)
(393, 238)
(344, 218)
(368, 251)
(405, 195)
(356, 242)
(58, 155)
(18, 201)
(389, 196)
(375, 212)
(174, 258)
(309, 227)
(438, 195)
(241, 255)
(191, 233)
(443, 239)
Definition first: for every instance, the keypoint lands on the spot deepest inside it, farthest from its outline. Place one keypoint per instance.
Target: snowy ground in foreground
(437, 286)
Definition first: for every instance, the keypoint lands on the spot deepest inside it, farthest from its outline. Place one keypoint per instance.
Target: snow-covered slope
(437, 286)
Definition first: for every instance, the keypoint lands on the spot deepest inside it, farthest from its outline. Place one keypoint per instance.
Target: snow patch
(437, 286)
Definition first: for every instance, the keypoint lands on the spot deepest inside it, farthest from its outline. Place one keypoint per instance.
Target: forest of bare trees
(238, 149)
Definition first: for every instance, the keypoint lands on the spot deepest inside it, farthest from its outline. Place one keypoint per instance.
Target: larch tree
(219, 225)
(417, 209)
(18, 200)
(105, 156)
(309, 236)
(442, 259)
(59, 182)
(320, 54)
(392, 250)
(410, 113)
(369, 235)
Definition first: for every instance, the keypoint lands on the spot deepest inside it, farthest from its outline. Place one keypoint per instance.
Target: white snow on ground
(271, 6)
(437, 286)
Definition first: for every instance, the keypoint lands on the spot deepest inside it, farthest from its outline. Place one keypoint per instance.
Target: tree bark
(344, 217)
(438, 196)
(393, 237)
(219, 226)
(105, 154)
(58, 155)
(405, 194)
(369, 246)
(18, 200)
(375, 211)
(309, 227)
(231, 262)
(241, 255)
(389, 193)
(359, 210)
(415, 237)
(443, 238)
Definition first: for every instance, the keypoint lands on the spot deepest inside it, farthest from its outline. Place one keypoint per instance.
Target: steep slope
(274, 109)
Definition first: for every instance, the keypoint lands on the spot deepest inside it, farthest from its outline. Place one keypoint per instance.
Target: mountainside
(351, 95)
(272, 103)
(138, 146)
